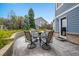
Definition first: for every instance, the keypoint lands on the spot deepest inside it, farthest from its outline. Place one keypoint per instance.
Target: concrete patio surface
(58, 48)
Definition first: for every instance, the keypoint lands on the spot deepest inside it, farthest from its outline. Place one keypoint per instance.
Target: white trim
(67, 11)
(59, 6)
(60, 27)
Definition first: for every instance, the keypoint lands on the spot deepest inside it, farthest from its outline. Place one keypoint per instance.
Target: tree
(2, 21)
(20, 22)
(31, 18)
(26, 23)
(13, 18)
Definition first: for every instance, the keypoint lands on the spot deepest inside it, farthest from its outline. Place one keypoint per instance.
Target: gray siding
(73, 20)
(65, 7)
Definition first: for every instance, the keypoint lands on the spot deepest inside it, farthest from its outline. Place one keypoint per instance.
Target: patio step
(61, 39)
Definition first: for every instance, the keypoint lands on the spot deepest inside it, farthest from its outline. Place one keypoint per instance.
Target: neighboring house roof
(40, 21)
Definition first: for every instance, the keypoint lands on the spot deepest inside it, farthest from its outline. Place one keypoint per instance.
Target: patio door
(63, 27)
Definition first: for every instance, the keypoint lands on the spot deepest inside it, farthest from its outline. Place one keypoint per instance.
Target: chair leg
(31, 45)
(46, 46)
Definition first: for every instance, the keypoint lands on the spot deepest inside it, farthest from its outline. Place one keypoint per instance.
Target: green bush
(4, 42)
(6, 34)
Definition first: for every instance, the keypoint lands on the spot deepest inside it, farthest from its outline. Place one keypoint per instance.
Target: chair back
(44, 34)
(28, 35)
(34, 33)
(50, 34)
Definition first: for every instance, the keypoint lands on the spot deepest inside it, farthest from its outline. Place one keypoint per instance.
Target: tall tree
(13, 19)
(2, 21)
(31, 18)
(26, 23)
(20, 22)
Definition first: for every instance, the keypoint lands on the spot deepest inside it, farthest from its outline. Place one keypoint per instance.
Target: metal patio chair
(49, 37)
(46, 40)
(28, 37)
(35, 35)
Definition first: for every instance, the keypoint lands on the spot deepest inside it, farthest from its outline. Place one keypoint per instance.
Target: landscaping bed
(5, 37)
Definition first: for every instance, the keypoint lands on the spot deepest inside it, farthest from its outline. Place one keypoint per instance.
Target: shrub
(6, 34)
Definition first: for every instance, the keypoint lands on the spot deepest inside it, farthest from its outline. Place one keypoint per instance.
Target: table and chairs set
(44, 38)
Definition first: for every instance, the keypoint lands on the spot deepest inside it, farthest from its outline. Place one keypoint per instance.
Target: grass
(6, 34)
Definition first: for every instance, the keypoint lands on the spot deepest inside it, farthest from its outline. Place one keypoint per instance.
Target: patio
(58, 48)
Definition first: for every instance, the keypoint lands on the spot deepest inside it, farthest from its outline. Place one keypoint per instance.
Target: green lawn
(6, 34)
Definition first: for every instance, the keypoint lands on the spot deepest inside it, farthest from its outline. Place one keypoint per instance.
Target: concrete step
(61, 39)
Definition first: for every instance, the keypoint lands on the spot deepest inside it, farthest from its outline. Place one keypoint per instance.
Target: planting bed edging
(8, 49)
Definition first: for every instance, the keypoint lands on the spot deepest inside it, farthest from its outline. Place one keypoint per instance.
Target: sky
(45, 10)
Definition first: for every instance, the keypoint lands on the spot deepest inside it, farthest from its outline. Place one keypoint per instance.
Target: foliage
(47, 26)
(26, 23)
(4, 42)
(2, 21)
(31, 18)
(14, 22)
(6, 34)
(3, 33)
(18, 22)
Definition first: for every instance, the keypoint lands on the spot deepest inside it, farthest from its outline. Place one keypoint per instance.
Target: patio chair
(48, 39)
(28, 37)
(34, 34)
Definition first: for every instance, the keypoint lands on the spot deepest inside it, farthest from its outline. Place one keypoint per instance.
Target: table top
(41, 31)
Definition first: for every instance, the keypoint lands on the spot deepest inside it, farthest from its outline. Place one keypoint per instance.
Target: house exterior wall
(72, 21)
(65, 7)
(39, 22)
(58, 5)
(57, 25)
(56, 28)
